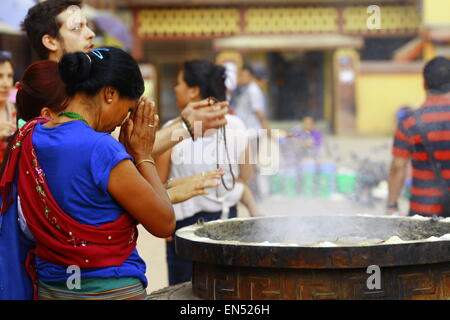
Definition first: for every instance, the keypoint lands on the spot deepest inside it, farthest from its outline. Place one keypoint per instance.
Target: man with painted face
(56, 27)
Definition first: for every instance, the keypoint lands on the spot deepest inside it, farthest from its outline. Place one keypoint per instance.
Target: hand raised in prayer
(137, 133)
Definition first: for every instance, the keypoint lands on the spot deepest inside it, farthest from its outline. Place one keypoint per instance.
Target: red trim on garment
(60, 239)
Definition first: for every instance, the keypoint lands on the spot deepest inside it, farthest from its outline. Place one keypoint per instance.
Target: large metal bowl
(317, 253)
(292, 242)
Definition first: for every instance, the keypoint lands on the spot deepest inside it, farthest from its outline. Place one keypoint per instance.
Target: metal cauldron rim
(238, 253)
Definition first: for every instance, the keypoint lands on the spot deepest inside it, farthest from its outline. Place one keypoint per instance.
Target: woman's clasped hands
(138, 131)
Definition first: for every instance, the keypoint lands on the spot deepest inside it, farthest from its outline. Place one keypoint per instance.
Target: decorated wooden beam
(216, 22)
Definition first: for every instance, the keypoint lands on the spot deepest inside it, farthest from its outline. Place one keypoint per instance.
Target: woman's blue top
(77, 162)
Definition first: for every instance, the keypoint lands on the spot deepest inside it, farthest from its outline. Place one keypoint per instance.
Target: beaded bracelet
(188, 127)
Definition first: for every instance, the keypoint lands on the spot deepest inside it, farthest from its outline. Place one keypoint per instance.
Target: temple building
(350, 64)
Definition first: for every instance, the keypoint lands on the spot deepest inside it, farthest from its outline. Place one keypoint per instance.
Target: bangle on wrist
(146, 160)
(169, 195)
(392, 206)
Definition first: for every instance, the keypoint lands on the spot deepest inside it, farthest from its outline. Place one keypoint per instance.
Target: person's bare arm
(217, 173)
(168, 137)
(210, 116)
(137, 188)
(140, 192)
(264, 122)
(246, 168)
(396, 180)
(249, 202)
(185, 188)
(163, 163)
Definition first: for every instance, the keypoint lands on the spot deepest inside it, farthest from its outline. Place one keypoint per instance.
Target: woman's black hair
(209, 77)
(103, 67)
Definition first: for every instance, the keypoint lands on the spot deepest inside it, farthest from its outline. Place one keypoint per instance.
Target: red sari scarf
(60, 239)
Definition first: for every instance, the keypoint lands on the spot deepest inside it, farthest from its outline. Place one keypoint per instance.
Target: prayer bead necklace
(222, 132)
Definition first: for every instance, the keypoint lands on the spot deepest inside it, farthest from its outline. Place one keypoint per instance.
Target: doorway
(297, 84)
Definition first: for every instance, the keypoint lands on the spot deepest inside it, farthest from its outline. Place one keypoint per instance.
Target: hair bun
(75, 68)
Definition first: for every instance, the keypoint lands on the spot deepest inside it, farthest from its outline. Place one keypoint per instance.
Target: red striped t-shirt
(426, 197)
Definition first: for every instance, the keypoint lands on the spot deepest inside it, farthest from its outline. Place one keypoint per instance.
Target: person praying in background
(200, 79)
(7, 109)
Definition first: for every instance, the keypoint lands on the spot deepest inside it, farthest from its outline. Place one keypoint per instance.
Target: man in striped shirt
(434, 114)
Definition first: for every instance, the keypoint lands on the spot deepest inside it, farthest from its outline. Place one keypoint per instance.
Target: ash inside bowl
(324, 230)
